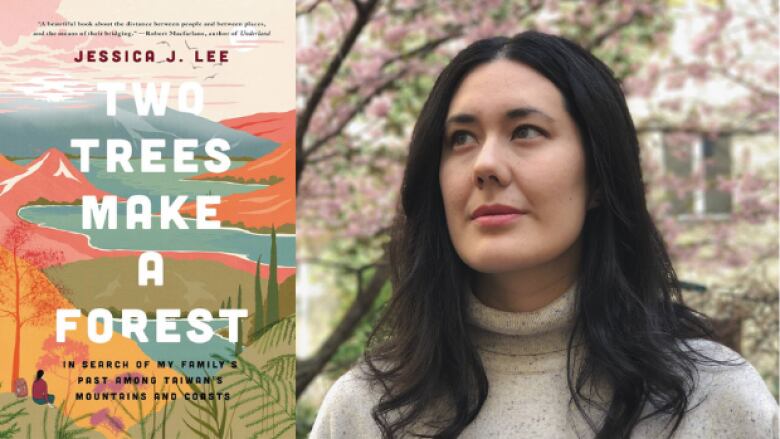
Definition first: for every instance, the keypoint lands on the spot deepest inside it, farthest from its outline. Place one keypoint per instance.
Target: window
(698, 166)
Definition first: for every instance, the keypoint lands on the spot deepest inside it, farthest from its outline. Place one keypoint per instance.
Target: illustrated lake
(226, 240)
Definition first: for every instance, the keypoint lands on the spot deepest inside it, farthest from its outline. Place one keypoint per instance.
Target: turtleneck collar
(536, 334)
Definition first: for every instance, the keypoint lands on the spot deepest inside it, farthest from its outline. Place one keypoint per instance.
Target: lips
(495, 210)
(492, 215)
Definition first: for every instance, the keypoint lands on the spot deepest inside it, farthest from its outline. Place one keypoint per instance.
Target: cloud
(117, 78)
(24, 19)
(26, 84)
(34, 64)
(76, 106)
(67, 56)
(44, 74)
(174, 77)
(49, 90)
(28, 51)
(78, 69)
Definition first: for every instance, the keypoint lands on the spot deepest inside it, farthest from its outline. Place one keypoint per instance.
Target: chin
(497, 262)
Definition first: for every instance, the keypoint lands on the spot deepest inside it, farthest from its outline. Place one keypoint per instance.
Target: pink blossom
(55, 353)
(698, 71)
(311, 55)
(379, 107)
(675, 81)
(366, 69)
(395, 34)
(104, 418)
(112, 386)
(701, 42)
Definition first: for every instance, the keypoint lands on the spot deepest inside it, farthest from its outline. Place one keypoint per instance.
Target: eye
(527, 132)
(459, 138)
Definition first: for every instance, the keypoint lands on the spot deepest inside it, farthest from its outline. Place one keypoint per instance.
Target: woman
(533, 296)
(40, 391)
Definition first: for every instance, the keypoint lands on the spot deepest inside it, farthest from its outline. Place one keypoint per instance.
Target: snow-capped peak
(11, 182)
(63, 170)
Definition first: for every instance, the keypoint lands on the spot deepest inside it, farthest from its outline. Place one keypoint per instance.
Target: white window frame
(699, 194)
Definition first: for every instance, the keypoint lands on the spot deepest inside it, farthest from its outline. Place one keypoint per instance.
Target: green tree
(259, 311)
(239, 346)
(273, 284)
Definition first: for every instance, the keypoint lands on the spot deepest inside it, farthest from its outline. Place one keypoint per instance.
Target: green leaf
(196, 431)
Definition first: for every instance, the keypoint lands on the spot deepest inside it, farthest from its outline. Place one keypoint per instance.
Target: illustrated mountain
(278, 127)
(8, 168)
(33, 123)
(51, 177)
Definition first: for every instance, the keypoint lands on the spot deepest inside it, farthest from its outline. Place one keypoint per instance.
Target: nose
(490, 166)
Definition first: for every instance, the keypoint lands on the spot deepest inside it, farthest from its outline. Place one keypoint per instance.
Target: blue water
(228, 240)
(185, 350)
(154, 185)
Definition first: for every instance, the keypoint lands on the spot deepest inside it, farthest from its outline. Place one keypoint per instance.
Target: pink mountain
(51, 176)
(8, 168)
(279, 127)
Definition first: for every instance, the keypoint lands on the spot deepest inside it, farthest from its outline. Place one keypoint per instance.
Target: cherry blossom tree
(26, 295)
(365, 67)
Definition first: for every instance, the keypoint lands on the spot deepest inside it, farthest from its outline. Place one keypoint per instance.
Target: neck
(529, 289)
(502, 337)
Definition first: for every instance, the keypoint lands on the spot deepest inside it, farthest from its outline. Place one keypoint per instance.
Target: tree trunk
(17, 324)
(309, 368)
(17, 347)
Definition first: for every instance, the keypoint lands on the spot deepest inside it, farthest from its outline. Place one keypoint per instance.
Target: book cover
(147, 219)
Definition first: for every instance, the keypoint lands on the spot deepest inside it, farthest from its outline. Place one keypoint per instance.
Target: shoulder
(346, 409)
(730, 398)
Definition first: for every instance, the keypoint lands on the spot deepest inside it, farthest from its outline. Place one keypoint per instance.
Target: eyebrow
(515, 113)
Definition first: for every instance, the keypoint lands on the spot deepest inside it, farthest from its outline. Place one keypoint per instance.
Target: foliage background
(692, 70)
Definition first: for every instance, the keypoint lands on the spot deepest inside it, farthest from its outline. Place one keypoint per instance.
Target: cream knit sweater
(524, 355)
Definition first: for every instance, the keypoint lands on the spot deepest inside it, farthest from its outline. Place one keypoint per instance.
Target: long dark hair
(629, 310)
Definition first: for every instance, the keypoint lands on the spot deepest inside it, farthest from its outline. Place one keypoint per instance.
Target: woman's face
(512, 171)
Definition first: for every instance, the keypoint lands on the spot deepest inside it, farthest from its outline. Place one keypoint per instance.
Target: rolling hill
(274, 205)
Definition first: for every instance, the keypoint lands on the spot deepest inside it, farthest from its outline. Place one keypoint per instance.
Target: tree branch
(425, 48)
(309, 368)
(308, 9)
(359, 6)
(600, 38)
(336, 264)
(304, 119)
(764, 92)
(694, 130)
(421, 50)
(387, 85)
